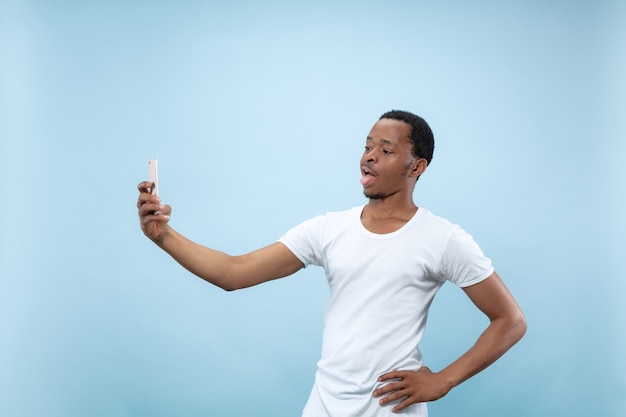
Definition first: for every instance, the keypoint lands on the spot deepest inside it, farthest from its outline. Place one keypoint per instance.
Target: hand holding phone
(154, 177)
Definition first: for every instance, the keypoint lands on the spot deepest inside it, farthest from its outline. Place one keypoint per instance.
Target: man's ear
(419, 166)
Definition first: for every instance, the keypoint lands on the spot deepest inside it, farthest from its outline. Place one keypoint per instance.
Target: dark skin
(390, 171)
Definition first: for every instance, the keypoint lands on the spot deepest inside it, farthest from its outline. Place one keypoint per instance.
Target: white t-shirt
(381, 286)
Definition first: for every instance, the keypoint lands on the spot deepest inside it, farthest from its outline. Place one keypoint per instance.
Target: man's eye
(387, 152)
(368, 148)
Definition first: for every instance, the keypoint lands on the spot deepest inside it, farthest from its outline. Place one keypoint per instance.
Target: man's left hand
(411, 387)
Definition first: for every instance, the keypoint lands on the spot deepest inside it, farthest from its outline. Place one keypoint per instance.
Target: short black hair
(421, 135)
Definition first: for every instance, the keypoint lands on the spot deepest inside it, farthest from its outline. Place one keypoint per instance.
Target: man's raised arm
(226, 271)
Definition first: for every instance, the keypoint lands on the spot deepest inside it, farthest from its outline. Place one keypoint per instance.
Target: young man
(384, 262)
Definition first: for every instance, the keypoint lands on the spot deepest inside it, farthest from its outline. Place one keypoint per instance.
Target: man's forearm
(213, 266)
(226, 271)
(501, 334)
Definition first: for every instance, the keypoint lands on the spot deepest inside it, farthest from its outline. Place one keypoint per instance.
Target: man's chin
(374, 196)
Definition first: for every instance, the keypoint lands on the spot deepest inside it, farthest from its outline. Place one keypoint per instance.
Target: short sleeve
(304, 241)
(463, 262)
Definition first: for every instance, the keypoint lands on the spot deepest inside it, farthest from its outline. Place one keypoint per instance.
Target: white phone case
(154, 176)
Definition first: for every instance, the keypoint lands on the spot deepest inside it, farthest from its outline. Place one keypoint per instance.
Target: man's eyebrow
(385, 141)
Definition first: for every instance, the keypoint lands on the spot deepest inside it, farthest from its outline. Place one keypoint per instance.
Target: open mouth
(367, 176)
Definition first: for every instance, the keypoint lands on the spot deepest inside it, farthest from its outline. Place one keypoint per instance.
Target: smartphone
(154, 176)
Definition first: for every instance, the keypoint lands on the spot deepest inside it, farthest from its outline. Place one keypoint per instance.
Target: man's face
(387, 164)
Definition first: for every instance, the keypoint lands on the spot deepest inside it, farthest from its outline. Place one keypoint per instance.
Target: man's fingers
(390, 387)
(392, 375)
(404, 404)
(155, 217)
(404, 388)
(145, 197)
(393, 396)
(144, 186)
(148, 209)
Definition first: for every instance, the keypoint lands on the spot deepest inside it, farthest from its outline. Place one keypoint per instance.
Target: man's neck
(383, 216)
(390, 208)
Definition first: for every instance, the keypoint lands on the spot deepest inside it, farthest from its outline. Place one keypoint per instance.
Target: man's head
(397, 151)
(421, 136)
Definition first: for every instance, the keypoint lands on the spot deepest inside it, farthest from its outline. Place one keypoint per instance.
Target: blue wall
(258, 112)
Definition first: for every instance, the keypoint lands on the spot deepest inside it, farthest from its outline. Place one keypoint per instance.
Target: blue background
(257, 111)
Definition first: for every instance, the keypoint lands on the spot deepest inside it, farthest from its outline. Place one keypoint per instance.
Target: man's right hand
(153, 216)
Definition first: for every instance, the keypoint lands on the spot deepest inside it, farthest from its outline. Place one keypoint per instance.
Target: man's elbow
(230, 285)
(228, 288)
(227, 284)
(233, 276)
(517, 327)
